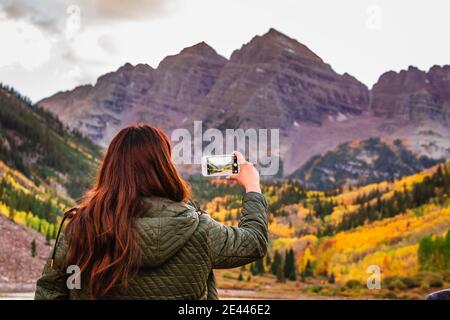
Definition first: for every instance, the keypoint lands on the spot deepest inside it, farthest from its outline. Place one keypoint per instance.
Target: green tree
(259, 266)
(48, 236)
(12, 214)
(268, 259)
(33, 248)
(308, 272)
(331, 278)
(280, 273)
(434, 253)
(289, 265)
(446, 250)
(276, 263)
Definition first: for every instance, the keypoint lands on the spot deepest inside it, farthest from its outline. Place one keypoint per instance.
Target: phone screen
(221, 165)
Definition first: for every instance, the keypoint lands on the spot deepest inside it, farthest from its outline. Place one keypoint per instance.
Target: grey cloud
(14, 9)
(123, 10)
(106, 42)
(51, 15)
(52, 18)
(69, 56)
(46, 15)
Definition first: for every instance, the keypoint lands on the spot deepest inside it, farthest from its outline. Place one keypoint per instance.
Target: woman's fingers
(241, 160)
(240, 157)
(248, 176)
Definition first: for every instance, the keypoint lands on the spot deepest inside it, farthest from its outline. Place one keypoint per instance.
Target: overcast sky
(49, 46)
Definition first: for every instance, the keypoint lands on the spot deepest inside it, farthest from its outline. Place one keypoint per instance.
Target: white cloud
(23, 44)
(73, 73)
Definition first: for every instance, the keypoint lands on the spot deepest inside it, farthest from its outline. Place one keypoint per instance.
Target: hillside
(44, 166)
(24, 202)
(327, 240)
(29, 217)
(19, 270)
(361, 163)
(35, 143)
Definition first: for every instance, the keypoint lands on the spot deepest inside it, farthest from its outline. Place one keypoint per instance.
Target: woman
(136, 236)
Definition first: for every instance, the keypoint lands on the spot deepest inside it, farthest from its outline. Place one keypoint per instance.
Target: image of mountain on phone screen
(219, 165)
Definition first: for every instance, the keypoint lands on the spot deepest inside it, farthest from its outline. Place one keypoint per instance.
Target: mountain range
(273, 81)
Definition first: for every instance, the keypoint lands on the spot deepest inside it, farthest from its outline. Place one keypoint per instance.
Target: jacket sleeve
(235, 246)
(52, 284)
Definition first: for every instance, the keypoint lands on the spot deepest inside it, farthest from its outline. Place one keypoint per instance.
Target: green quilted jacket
(180, 247)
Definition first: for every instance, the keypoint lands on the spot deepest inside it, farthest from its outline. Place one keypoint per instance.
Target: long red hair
(102, 241)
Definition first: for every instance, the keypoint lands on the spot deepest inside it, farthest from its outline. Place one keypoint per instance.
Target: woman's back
(180, 246)
(134, 236)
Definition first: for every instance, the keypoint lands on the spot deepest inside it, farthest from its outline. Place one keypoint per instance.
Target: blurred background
(360, 91)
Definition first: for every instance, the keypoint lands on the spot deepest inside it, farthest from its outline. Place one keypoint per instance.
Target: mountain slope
(273, 81)
(43, 166)
(360, 163)
(38, 145)
(414, 95)
(413, 207)
(19, 270)
(339, 234)
(163, 96)
(391, 244)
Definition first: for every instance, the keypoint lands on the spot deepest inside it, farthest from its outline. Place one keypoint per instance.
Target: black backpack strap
(68, 214)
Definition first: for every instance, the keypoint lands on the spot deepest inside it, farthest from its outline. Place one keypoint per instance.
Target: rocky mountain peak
(275, 72)
(413, 94)
(124, 74)
(140, 67)
(272, 45)
(192, 56)
(439, 76)
(411, 79)
(126, 67)
(201, 48)
(274, 35)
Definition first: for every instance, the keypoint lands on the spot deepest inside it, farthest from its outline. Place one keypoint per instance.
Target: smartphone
(220, 165)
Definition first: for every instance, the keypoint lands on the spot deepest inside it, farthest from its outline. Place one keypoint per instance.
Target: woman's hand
(248, 176)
